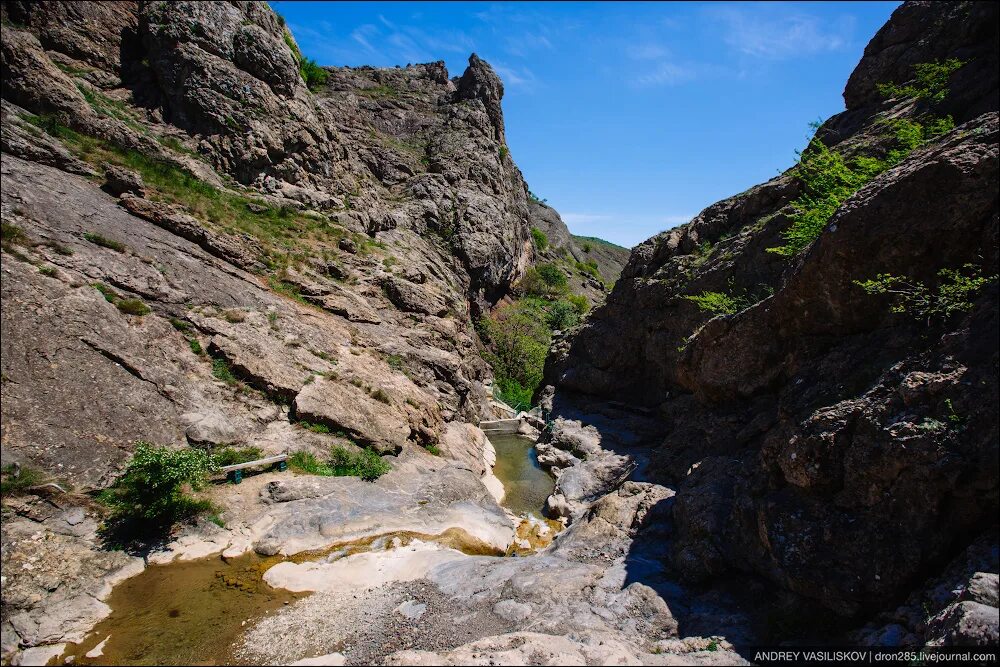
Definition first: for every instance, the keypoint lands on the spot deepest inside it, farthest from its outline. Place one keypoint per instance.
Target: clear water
(525, 483)
(184, 613)
(192, 612)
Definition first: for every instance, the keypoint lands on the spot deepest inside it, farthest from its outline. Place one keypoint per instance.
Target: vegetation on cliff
(829, 178)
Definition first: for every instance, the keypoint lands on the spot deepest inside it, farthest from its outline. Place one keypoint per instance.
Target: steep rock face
(384, 202)
(814, 436)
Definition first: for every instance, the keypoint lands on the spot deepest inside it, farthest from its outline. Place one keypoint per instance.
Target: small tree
(152, 493)
(518, 341)
(954, 293)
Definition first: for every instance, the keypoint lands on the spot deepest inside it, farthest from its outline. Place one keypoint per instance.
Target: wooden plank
(259, 462)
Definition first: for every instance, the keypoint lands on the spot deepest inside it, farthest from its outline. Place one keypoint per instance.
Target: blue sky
(629, 118)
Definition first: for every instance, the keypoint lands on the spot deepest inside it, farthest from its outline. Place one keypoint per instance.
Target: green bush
(827, 181)
(540, 239)
(228, 456)
(315, 428)
(930, 81)
(580, 303)
(314, 75)
(590, 268)
(13, 234)
(732, 301)
(954, 293)
(513, 393)
(365, 464)
(562, 315)
(222, 371)
(152, 493)
(133, 307)
(552, 275)
(544, 280)
(715, 302)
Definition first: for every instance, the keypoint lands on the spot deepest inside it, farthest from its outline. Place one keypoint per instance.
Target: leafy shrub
(315, 428)
(540, 239)
(544, 280)
(732, 301)
(535, 198)
(222, 371)
(309, 464)
(104, 242)
(180, 325)
(562, 315)
(365, 464)
(580, 303)
(827, 181)
(954, 293)
(587, 246)
(930, 81)
(513, 393)
(133, 307)
(228, 456)
(152, 492)
(590, 268)
(382, 397)
(552, 275)
(715, 302)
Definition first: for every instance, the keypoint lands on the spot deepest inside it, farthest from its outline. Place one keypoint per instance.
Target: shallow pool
(525, 483)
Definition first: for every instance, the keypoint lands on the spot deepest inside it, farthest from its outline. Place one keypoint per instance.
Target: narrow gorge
(484, 440)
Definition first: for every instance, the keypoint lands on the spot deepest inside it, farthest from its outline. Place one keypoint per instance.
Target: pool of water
(184, 613)
(192, 612)
(525, 483)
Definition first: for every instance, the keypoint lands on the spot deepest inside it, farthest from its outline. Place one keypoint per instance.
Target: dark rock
(118, 181)
(808, 434)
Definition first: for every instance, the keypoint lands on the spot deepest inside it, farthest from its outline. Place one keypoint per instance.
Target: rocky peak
(480, 82)
(920, 32)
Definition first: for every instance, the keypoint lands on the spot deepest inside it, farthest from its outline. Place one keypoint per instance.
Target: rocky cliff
(825, 394)
(322, 246)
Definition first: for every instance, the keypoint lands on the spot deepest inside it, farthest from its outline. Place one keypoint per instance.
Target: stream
(192, 612)
(526, 485)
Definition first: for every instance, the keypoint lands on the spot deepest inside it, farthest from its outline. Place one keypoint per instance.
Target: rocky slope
(815, 437)
(385, 203)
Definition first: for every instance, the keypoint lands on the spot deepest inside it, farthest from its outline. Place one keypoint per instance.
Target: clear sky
(629, 118)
